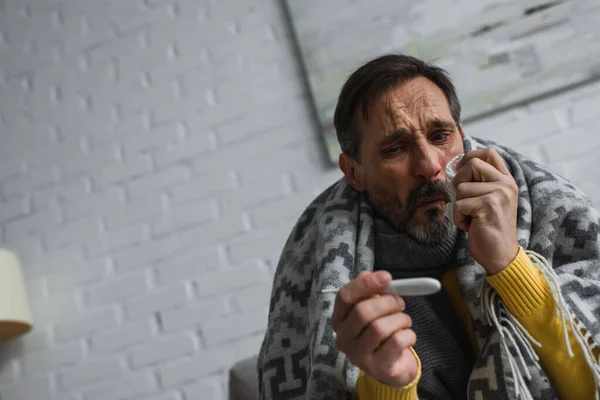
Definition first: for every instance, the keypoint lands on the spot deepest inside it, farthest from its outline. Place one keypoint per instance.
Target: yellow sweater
(527, 296)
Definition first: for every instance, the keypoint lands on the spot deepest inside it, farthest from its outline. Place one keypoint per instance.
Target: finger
(381, 330)
(489, 155)
(467, 209)
(369, 310)
(365, 285)
(477, 170)
(390, 350)
(476, 189)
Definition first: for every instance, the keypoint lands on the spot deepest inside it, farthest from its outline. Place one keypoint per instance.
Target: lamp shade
(15, 316)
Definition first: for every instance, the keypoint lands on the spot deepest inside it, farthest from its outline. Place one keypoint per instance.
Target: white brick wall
(154, 157)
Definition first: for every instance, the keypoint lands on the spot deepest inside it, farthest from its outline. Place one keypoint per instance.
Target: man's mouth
(428, 200)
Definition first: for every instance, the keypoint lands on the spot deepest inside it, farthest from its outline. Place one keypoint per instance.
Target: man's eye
(439, 136)
(394, 150)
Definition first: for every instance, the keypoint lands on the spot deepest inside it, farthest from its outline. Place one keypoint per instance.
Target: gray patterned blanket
(333, 241)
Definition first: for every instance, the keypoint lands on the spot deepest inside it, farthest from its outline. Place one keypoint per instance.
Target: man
(509, 322)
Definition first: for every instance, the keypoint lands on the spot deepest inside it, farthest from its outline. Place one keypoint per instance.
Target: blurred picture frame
(499, 53)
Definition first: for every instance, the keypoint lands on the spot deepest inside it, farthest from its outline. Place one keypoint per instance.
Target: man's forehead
(412, 104)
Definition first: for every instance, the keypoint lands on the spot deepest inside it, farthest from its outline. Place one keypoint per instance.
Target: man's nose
(427, 164)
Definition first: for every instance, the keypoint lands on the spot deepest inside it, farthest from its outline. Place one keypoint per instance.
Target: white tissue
(450, 174)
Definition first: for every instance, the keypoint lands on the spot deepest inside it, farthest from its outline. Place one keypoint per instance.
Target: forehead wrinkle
(409, 112)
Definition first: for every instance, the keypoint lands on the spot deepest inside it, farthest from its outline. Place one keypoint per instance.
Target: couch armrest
(243, 380)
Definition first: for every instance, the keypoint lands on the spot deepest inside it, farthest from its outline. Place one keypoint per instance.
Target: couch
(243, 381)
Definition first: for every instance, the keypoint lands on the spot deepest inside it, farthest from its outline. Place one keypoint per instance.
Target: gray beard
(433, 231)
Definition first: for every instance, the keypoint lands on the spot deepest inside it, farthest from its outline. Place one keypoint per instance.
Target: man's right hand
(373, 331)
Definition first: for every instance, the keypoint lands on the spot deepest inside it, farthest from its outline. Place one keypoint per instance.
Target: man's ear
(462, 133)
(350, 168)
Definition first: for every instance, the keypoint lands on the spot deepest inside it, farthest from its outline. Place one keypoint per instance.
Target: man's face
(404, 148)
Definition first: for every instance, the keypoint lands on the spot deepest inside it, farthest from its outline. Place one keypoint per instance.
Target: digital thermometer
(408, 287)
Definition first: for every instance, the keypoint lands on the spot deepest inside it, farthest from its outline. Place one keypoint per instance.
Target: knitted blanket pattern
(333, 241)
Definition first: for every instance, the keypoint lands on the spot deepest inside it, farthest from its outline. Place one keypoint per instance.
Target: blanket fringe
(513, 333)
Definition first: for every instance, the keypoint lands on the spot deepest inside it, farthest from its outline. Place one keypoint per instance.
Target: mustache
(427, 189)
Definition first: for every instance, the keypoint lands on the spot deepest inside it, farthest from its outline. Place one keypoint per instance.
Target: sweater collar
(404, 257)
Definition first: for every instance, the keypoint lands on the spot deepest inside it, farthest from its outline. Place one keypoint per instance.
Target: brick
(203, 186)
(131, 44)
(36, 223)
(11, 209)
(183, 217)
(122, 388)
(57, 307)
(206, 389)
(136, 211)
(36, 286)
(234, 327)
(130, 17)
(145, 254)
(287, 159)
(193, 315)
(48, 360)
(534, 152)
(36, 340)
(314, 181)
(288, 208)
(121, 337)
(94, 204)
(72, 191)
(28, 248)
(585, 110)
(260, 244)
(570, 144)
(76, 275)
(35, 179)
(112, 240)
(162, 349)
(203, 363)
(156, 138)
(256, 296)
(87, 163)
(38, 387)
(153, 302)
(116, 288)
(193, 147)
(131, 168)
(226, 280)
(249, 127)
(156, 96)
(524, 128)
(243, 43)
(254, 193)
(185, 266)
(152, 185)
(166, 396)
(250, 345)
(89, 371)
(55, 153)
(290, 140)
(10, 169)
(91, 322)
(86, 229)
(580, 170)
(183, 61)
(66, 257)
(230, 226)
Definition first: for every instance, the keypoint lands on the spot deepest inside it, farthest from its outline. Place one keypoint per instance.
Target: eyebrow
(401, 133)
(395, 135)
(440, 124)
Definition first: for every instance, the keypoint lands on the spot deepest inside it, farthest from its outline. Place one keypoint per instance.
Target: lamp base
(11, 329)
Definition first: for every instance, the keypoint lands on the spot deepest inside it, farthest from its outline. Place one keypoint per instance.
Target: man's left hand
(486, 207)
